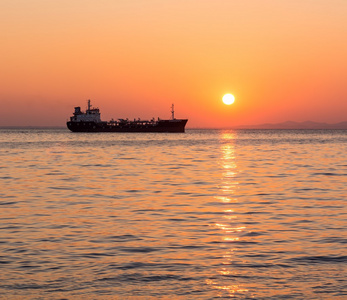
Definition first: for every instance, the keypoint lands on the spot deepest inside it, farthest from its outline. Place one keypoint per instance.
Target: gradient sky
(283, 60)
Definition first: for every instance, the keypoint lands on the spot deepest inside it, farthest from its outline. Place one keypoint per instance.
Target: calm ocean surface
(207, 214)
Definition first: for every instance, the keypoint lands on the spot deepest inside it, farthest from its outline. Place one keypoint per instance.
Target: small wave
(10, 227)
(132, 191)
(63, 188)
(176, 220)
(8, 203)
(116, 238)
(138, 249)
(255, 212)
(321, 259)
(148, 265)
(54, 173)
(95, 255)
(246, 265)
(328, 174)
(138, 277)
(240, 242)
(334, 240)
(200, 183)
(192, 247)
(278, 176)
(134, 265)
(253, 234)
(182, 193)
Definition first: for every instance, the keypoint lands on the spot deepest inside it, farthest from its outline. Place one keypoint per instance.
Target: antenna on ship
(172, 112)
(88, 104)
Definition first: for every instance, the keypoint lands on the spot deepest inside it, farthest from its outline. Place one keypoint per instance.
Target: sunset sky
(282, 60)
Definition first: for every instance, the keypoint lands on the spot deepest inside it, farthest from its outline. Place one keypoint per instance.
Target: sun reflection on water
(229, 225)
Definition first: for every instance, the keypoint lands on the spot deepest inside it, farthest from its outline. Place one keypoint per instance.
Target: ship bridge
(91, 114)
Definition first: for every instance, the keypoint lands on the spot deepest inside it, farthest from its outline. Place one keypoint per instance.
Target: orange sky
(283, 60)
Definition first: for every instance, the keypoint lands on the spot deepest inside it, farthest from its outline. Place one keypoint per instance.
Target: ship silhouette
(90, 121)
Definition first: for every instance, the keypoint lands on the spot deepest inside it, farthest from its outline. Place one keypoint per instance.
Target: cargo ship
(90, 121)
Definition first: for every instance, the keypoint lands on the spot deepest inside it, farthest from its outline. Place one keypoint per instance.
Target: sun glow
(228, 99)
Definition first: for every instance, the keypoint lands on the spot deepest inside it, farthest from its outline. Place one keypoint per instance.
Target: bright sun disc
(228, 99)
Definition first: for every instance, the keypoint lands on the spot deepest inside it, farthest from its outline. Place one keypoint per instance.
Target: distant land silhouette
(296, 125)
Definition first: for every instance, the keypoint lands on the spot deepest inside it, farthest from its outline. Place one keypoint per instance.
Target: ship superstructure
(91, 115)
(90, 121)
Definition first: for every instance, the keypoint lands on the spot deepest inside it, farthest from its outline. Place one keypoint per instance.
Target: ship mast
(172, 112)
(88, 104)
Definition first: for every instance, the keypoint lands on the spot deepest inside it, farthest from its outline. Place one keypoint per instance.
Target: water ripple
(209, 214)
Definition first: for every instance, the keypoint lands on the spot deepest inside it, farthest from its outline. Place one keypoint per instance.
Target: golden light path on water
(228, 225)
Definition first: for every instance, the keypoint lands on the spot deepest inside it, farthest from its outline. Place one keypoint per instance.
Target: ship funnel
(77, 110)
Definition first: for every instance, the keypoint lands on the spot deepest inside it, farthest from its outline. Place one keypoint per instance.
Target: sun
(228, 99)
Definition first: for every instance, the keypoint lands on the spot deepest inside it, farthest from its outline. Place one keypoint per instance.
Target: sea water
(206, 214)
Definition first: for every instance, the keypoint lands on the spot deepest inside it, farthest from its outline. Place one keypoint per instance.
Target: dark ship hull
(176, 125)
